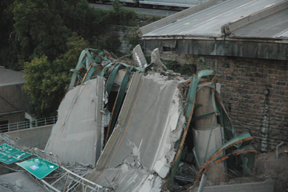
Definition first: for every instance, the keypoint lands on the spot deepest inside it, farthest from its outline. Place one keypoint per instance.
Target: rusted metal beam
(235, 153)
(232, 142)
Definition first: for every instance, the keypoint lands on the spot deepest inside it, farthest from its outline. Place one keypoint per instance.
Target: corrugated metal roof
(209, 21)
(10, 77)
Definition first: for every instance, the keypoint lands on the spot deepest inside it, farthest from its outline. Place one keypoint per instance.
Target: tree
(47, 47)
(47, 81)
(120, 16)
(40, 29)
(9, 47)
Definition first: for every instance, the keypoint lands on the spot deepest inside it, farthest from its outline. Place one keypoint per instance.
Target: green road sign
(10, 155)
(38, 167)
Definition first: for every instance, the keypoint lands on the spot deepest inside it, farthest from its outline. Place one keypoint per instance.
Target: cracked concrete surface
(140, 150)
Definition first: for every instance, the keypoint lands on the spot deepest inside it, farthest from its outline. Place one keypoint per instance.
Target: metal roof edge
(14, 83)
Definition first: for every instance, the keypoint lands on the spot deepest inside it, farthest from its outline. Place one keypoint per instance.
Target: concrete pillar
(201, 134)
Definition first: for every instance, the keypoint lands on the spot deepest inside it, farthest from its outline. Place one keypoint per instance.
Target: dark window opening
(111, 115)
(4, 126)
(166, 49)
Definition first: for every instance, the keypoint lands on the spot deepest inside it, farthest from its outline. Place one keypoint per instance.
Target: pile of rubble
(135, 124)
(129, 125)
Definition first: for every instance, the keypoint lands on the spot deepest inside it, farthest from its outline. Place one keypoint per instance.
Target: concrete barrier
(33, 137)
(176, 16)
(271, 10)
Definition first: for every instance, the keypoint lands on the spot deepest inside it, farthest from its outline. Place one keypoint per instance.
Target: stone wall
(254, 91)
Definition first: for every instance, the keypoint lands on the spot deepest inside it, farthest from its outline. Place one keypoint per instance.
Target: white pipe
(277, 153)
(50, 186)
(84, 179)
(202, 182)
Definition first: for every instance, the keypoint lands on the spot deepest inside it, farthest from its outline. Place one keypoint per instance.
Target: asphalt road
(209, 21)
(143, 11)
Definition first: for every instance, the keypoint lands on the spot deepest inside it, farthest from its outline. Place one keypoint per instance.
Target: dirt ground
(267, 166)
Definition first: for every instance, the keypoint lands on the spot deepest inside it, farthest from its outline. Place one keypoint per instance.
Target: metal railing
(28, 124)
(72, 182)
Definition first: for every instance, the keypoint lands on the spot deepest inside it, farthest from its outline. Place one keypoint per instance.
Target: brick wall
(254, 91)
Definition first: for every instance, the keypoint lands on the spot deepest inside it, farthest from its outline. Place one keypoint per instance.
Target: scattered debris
(18, 182)
(155, 59)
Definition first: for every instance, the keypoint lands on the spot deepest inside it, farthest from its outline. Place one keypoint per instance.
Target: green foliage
(32, 28)
(40, 28)
(8, 45)
(47, 81)
(202, 63)
(39, 37)
(120, 16)
(86, 21)
(112, 43)
(186, 69)
(133, 37)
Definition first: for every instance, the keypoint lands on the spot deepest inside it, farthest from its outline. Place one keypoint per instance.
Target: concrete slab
(262, 28)
(78, 134)
(260, 15)
(283, 34)
(138, 57)
(19, 182)
(177, 16)
(266, 186)
(208, 22)
(246, 28)
(33, 137)
(149, 124)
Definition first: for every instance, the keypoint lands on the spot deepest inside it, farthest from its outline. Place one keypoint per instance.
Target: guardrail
(28, 124)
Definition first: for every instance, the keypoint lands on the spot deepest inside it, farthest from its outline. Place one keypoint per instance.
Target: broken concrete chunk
(152, 183)
(139, 57)
(155, 58)
(143, 136)
(161, 168)
(78, 134)
(19, 182)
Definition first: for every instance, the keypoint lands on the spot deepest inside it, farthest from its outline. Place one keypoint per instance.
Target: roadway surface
(209, 21)
(143, 11)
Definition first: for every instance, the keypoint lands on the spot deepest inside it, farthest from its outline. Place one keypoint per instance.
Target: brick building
(14, 102)
(246, 43)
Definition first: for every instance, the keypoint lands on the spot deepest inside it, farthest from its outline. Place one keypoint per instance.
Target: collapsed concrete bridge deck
(146, 112)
